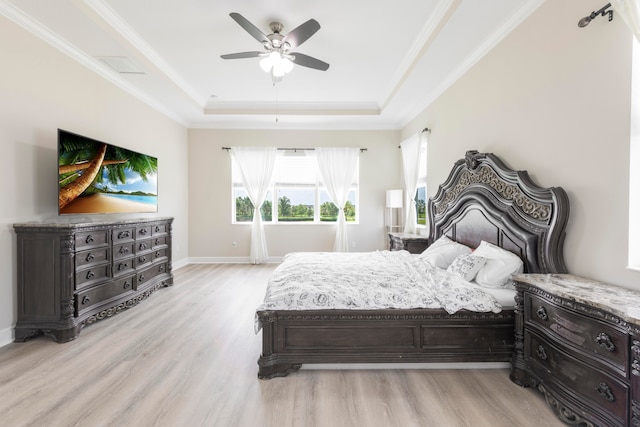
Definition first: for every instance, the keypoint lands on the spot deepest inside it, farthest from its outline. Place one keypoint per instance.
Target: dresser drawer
(159, 229)
(123, 266)
(149, 273)
(554, 365)
(143, 259)
(93, 256)
(159, 241)
(123, 250)
(600, 340)
(91, 239)
(143, 246)
(143, 232)
(92, 275)
(121, 235)
(100, 294)
(159, 253)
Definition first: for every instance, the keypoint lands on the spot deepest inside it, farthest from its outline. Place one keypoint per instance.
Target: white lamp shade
(394, 198)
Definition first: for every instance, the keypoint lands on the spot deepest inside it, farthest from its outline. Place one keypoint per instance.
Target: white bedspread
(369, 280)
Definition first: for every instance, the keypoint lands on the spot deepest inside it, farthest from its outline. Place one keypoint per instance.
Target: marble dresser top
(71, 222)
(622, 302)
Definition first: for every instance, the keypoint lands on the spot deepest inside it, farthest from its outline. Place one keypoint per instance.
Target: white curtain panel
(256, 167)
(411, 169)
(337, 166)
(629, 10)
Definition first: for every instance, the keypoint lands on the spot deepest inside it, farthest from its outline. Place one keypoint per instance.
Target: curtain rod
(422, 131)
(293, 149)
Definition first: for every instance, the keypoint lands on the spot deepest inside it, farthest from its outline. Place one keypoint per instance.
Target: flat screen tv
(96, 178)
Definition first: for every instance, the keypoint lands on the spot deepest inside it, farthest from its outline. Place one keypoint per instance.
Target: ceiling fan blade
(250, 28)
(301, 34)
(240, 55)
(308, 61)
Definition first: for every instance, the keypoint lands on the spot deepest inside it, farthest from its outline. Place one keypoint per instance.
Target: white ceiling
(388, 59)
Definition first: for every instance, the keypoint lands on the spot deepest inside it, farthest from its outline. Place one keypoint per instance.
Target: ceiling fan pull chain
(276, 87)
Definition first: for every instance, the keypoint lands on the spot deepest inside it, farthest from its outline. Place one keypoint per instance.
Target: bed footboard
(293, 338)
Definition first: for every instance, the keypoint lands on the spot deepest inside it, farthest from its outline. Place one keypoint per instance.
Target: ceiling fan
(277, 58)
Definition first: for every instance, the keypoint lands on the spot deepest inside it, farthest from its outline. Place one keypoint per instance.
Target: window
(421, 190)
(297, 194)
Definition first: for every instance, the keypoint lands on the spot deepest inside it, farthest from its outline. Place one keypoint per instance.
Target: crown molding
(489, 43)
(293, 109)
(16, 15)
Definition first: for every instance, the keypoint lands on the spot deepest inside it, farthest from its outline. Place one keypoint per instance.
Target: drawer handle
(142, 246)
(124, 250)
(89, 239)
(542, 353)
(122, 266)
(126, 285)
(142, 259)
(124, 234)
(85, 300)
(143, 231)
(157, 241)
(90, 256)
(161, 268)
(141, 278)
(605, 392)
(158, 254)
(90, 274)
(542, 313)
(157, 228)
(605, 342)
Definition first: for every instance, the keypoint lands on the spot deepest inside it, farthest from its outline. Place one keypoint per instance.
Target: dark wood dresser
(414, 243)
(73, 274)
(578, 341)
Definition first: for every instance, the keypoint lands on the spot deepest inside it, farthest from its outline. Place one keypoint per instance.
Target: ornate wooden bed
(482, 199)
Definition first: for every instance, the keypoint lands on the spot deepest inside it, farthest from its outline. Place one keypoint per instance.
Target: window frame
(275, 187)
(422, 183)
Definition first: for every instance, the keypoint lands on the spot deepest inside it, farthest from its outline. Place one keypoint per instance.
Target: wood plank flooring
(187, 357)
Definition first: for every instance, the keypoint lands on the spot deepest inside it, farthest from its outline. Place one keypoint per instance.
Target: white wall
(211, 232)
(41, 90)
(553, 99)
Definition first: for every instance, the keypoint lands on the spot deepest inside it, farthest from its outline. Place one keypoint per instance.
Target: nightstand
(414, 243)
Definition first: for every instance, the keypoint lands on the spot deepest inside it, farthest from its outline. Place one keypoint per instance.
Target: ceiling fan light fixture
(277, 64)
(266, 64)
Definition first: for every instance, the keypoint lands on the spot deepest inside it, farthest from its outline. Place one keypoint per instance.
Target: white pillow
(443, 251)
(500, 265)
(467, 266)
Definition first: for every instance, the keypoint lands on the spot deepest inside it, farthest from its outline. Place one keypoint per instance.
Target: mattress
(374, 280)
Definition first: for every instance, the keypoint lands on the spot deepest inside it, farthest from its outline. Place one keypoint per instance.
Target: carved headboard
(482, 199)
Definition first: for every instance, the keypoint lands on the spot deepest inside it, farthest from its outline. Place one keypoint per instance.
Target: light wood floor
(187, 357)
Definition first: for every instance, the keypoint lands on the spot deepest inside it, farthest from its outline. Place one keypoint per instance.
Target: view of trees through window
(421, 205)
(293, 206)
(296, 194)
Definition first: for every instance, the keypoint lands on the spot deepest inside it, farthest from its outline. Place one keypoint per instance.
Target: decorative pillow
(443, 251)
(467, 266)
(500, 265)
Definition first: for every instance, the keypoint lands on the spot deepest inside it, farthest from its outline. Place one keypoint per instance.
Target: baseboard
(229, 260)
(179, 264)
(6, 336)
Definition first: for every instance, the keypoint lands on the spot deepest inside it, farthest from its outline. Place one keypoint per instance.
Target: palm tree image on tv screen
(96, 177)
